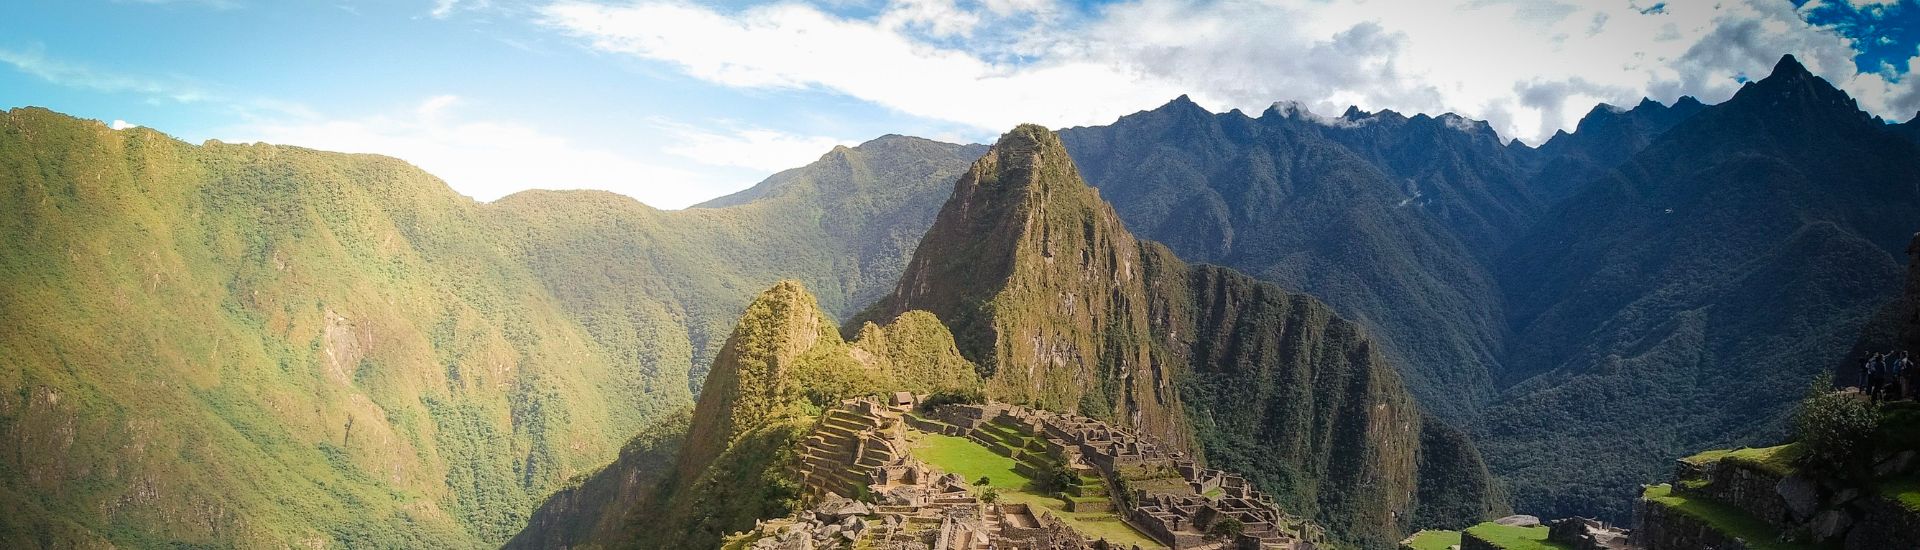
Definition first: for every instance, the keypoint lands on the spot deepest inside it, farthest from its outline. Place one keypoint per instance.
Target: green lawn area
(972, 461)
(1904, 490)
(1774, 460)
(1434, 540)
(1723, 518)
(1515, 538)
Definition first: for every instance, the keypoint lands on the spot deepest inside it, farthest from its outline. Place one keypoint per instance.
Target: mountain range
(191, 333)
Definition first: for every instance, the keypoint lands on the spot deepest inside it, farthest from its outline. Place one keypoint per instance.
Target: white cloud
(755, 148)
(71, 75)
(1530, 68)
(445, 8)
(796, 46)
(155, 90)
(488, 159)
(118, 124)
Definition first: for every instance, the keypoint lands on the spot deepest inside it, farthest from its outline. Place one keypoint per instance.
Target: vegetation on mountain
(1606, 137)
(256, 345)
(193, 335)
(1834, 431)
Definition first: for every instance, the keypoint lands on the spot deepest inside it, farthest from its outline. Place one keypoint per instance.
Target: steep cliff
(1064, 309)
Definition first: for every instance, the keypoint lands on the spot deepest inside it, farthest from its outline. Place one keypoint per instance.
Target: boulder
(1801, 494)
(1829, 525)
(1518, 520)
(1899, 463)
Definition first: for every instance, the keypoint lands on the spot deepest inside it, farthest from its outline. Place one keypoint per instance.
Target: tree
(1224, 528)
(1835, 429)
(990, 496)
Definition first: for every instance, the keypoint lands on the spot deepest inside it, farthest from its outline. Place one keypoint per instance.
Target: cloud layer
(1529, 68)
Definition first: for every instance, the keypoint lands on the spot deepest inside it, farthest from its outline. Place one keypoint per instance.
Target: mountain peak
(1789, 68)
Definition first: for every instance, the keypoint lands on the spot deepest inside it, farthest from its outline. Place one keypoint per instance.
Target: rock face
(1065, 310)
(1662, 528)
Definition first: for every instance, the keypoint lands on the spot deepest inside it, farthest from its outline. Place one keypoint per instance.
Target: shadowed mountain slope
(1275, 197)
(1683, 301)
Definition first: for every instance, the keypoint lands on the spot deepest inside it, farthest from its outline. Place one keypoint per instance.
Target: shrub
(1835, 429)
(990, 496)
(1224, 528)
(1056, 478)
(967, 396)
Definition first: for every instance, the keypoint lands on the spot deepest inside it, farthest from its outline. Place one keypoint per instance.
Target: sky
(674, 102)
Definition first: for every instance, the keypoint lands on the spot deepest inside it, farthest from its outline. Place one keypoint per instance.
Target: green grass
(1904, 490)
(1778, 460)
(972, 461)
(1515, 538)
(1433, 540)
(1723, 518)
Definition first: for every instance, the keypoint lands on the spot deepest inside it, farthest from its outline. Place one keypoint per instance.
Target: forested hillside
(194, 334)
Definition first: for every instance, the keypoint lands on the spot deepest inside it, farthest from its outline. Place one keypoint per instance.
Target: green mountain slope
(267, 346)
(264, 346)
(1064, 309)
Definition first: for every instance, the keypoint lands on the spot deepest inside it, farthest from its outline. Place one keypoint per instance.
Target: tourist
(1876, 375)
(1866, 373)
(1905, 376)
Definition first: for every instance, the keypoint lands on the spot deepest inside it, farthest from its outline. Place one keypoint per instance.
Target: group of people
(1890, 376)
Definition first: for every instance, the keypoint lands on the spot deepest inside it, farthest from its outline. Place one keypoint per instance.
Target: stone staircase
(845, 446)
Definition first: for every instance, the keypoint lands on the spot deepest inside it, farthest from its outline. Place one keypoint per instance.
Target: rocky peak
(1796, 96)
(749, 381)
(1036, 277)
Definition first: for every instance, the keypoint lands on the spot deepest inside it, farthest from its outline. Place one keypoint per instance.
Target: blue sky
(673, 102)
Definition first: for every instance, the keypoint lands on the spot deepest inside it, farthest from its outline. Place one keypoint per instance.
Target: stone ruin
(1581, 533)
(860, 448)
(1173, 499)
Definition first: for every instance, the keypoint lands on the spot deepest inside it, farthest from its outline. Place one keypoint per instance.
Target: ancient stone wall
(1663, 528)
(1750, 489)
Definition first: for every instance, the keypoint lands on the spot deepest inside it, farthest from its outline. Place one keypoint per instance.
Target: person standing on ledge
(1876, 375)
(1904, 376)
